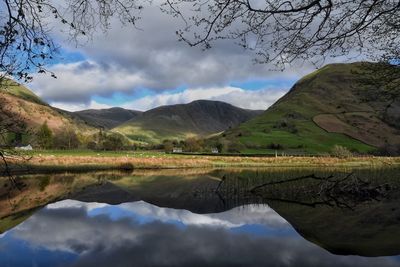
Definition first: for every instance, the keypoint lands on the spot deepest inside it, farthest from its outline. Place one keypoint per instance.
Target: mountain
(353, 105)
(198, 118)
(106, 118)
(20, 105)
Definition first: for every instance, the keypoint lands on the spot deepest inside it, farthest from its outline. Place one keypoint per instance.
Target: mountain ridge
(179, 121)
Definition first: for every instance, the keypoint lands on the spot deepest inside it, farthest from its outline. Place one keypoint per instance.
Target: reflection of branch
(7, 170)
(220, 183)
(221, 198)
(312, 176)
(342, 193)
(311, 204)
(8, 173)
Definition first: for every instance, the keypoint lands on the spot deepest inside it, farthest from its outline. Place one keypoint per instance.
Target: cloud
(78, 81)
(249, 99)
(236, 217)
(80, 106)
(250, 214)
(127, 60)
(103, 241)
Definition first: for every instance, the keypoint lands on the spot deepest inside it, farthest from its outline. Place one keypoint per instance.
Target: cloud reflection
(101, 240)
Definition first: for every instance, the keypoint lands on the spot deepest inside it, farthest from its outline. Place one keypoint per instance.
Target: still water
(202, 218)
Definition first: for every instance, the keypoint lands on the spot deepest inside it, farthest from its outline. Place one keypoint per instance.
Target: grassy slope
(328, 90)
(21, 92)
(140, 134)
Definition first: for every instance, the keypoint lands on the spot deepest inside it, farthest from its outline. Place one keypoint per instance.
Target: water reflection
(201, 218)
(143, 234)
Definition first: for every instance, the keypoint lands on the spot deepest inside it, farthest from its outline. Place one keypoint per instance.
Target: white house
(177, 150)
(214, 150)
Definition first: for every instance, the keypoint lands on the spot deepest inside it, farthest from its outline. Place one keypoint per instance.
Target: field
(308, 137)
(53, 161)
(363, 126)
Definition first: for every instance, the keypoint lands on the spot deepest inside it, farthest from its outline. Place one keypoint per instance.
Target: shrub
(193, 145)
(341, 152)
(168, 145)
(91, 145)
(275, 146)
(113, 142)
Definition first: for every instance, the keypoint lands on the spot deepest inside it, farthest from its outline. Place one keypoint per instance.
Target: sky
(145, 67)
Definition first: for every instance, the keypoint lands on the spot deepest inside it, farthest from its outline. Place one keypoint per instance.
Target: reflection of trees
(307, 190)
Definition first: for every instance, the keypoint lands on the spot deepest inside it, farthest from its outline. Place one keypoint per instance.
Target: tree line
(69, 138)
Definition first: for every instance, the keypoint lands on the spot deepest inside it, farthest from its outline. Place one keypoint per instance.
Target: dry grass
(164, 161)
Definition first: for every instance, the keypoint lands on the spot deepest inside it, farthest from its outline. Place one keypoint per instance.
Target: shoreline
(74, 163)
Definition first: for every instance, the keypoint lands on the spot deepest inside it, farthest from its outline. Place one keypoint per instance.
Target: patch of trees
(67, 139)
(106, 141)
(112, 142)
(44, 136)
(189, 145)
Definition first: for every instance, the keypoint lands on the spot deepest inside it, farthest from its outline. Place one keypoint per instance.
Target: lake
(196, 217)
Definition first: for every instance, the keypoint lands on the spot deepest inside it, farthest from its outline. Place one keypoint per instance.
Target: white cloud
(68, 203)
(249, 99)
(88, 233)
(127, 59)
(76, 82)
(80, 106)
(186, 217)
(236, 217)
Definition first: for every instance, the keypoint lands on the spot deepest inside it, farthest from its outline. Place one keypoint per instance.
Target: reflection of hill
(369, 230)
(365, 226)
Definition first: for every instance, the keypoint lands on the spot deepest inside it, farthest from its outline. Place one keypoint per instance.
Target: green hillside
(177, 122)
(340, 104)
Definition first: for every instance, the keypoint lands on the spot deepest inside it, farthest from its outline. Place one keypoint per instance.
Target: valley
(336, 108)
